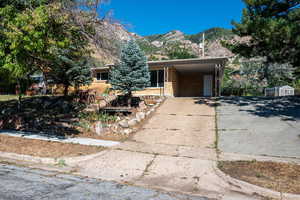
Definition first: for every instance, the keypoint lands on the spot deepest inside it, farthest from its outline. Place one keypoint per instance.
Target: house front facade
(199, 77)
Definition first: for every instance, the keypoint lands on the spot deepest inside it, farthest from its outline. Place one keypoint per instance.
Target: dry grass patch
(281, 177)
(41, 148)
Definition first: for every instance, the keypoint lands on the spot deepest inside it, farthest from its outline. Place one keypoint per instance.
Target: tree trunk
(129, 100)
(66, 90)
(19, 93)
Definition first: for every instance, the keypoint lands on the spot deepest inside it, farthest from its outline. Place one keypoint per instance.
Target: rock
(1, 124)
(140, 116)
(142, 105)
(132, 122)
(127, 131)
(47, 104)
(124, 123)
(65, 106)
(115, 128)
(102, 104)
(98, 128)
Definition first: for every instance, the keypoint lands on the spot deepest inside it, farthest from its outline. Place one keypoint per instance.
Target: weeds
(95, 116)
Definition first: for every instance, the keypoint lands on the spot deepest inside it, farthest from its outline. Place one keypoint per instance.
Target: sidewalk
(77, 140)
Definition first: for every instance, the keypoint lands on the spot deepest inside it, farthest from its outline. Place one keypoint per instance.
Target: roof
(207, 60)
(286, 87)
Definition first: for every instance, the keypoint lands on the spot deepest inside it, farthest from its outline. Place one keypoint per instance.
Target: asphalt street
(21, 183)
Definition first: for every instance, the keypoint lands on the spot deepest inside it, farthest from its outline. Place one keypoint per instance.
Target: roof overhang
(200, 63)
(193, 61)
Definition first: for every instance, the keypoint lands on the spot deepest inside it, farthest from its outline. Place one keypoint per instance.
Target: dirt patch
(41, 148)
(105, 136)
(281, 177)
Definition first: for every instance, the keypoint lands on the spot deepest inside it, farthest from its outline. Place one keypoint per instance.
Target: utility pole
(203, 45)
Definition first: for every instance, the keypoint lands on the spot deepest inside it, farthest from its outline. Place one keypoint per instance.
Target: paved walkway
(173, 151)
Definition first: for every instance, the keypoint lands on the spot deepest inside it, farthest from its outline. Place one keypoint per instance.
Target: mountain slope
(211, 35)
(111, 36)
(158, 44)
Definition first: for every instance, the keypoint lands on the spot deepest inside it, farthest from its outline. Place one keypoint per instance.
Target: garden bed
(281, 177)
(59, 116)
(117, 121)
(41, 148)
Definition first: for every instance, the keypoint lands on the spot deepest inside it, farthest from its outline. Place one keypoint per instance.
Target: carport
(191, 77)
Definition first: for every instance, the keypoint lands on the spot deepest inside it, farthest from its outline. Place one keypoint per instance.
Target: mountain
(156, 47)
(158, 44)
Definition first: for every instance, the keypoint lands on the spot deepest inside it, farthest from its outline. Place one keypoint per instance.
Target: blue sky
(146, 17)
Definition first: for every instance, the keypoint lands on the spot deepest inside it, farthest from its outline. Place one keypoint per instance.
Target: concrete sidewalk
(46, 137)
(174, 151)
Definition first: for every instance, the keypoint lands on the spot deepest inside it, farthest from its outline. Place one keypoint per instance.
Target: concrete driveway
(260, 126)
(173, 151)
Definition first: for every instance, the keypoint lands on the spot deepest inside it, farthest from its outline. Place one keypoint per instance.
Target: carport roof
(166, 63)
(208, 60)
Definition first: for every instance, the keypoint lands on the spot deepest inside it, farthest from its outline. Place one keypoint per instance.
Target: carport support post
(217, 80)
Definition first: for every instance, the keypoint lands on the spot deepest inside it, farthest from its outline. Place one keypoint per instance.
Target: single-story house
(176, 78)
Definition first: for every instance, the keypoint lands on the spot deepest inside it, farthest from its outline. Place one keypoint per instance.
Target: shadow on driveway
(286, 107)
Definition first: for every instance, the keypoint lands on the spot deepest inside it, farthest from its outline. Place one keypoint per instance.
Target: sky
(147, 17)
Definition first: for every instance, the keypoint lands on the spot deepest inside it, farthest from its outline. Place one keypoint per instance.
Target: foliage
(70, 70)
(177, 51)
(46, 36)
(153, 58)
(273, 29)
(95, 116)
(147, 47)
(211, 35)
(155, 37)
(132, 74)
(255, 75)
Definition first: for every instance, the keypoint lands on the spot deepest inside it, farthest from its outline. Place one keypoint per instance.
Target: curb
(69, 161)
(251, 189)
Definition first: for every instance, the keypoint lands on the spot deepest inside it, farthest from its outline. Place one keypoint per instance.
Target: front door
(208, 85)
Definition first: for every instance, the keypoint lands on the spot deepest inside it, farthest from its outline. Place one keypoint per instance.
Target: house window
(157, 78)
(102, 76)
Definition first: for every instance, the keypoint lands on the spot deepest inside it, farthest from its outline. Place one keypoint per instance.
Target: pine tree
(70, 69)
(273, 29)
(132, 73)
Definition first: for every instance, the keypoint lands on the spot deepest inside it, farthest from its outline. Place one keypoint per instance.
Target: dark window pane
(98, 75)
(153, 78)
(104, 76)
(161, 78)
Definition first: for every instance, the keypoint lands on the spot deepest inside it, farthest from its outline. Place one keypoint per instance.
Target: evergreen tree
(70, 69)
(273, 29)
(132, 74)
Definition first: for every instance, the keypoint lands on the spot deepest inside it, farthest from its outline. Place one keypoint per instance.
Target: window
(157, 78)
(102, 76)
